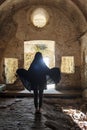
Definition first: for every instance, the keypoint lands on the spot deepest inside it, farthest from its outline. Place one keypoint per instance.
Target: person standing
(36, 75)
(35, 78)
(38, 71)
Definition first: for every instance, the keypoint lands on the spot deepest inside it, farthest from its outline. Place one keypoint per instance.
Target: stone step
(64, 94)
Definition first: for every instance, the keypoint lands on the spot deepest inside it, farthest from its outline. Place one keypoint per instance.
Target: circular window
(39, 17)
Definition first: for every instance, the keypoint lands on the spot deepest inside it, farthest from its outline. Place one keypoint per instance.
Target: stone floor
(18, 114)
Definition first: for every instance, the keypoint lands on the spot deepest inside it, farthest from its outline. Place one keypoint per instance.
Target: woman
(35, 78)
(36, 75)
(38, 71)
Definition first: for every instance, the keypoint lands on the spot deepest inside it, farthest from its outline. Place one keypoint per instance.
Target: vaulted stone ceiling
(82, 5)
(13, 3)
(16, 4)
(75, 10)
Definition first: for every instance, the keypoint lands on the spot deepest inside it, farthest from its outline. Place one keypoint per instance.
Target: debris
(79, 117)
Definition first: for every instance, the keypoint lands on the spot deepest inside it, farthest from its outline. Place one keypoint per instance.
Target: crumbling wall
(84, 64)
(64, 27)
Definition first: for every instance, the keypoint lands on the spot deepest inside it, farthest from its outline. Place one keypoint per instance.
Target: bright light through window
(68, 64)
(11, 65)
(46, 60)
(39, 17)
(46, 47)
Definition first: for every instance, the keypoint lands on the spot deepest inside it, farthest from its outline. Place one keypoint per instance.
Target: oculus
(39, 17)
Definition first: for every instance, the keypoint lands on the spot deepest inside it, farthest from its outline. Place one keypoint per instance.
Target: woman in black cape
(35, 78)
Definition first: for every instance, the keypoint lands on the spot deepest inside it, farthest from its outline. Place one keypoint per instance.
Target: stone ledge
(66, 95)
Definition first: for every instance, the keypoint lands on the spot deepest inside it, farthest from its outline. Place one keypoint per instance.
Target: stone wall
(60, 29)
(84, 64)
(64, 27)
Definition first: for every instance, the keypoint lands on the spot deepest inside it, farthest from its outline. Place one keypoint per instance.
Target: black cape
(38, 75)
(52, 77)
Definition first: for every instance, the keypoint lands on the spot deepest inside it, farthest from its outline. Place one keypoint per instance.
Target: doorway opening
(47, 48)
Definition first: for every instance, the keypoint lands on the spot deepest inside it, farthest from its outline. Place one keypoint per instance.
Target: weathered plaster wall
(82, 6)
(65, 27)
(60, 29)
(84, 64)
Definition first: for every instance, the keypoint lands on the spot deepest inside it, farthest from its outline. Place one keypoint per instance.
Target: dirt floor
(57, 114)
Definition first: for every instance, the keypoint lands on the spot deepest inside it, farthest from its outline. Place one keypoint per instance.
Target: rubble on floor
(57, 114)
(66, 115)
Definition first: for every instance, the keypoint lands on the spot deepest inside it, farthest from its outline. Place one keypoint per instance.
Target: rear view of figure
(35, 78)
(38, 71)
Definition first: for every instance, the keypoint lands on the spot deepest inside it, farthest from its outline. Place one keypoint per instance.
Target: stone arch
(67, 8)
